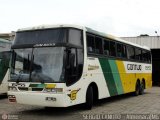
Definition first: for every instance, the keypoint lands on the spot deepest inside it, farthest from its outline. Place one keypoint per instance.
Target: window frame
(93, 44)
(101, 44)
(116, 57)
(130, 46)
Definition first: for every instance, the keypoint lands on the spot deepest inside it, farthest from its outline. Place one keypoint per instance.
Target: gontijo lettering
(134, 67)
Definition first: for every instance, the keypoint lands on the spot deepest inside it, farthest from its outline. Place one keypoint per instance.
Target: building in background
(154, 43)
(7, 36)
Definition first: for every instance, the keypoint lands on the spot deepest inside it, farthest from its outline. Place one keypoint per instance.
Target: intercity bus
(5, 46)
(65, 65)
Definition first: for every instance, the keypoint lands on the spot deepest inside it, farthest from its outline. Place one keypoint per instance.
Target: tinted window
(124, 51)
(5, 55)
(137, 54)
(106, 47)
(112, 48)
(4, 46)
(119, 50)
(75, 37)
(74, 65)
(146, 56)
(149, 56)
(79, 62)
(98, 45)
(41, 37)
(130, 52)
(90, 44)
(4, 63)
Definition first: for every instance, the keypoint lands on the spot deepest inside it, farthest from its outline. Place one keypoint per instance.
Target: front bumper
(39, 99)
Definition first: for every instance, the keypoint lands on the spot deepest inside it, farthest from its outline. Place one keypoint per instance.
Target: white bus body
(96, 75)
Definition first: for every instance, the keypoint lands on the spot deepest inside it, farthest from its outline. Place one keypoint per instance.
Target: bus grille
(29, 89)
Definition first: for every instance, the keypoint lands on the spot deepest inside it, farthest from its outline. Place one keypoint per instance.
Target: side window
(112, 48)
(79, 62)
(146, 56)
(74, 65)
(98, 45)
(149, 56)
(90, 44)
(119, 50)
(75, 37)
(106, 47)
(130, 52)
(124, 51)
(5, 56)
(138, 54)
(4, 63)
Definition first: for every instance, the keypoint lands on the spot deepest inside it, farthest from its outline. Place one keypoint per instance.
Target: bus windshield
(34, 37)
(49, 55)
(43, 64)
(48, 37)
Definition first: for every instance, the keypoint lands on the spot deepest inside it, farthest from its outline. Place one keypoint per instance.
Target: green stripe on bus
(37, 85)
(108, 76)
(116, 76)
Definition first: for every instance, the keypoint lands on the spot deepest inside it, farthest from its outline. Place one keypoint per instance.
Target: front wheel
(89, 99)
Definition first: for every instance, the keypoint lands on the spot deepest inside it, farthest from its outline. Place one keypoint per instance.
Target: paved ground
(149, 103)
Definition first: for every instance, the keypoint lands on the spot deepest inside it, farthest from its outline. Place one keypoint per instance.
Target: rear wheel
(137, 89)
(89, 98)
(142, 88)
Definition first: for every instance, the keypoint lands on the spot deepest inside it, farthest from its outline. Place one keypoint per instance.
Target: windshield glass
(20, 67)
(38, 64)
(47, 64)
(45, 36)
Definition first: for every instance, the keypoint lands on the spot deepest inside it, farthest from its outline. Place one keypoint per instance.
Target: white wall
(149, 41)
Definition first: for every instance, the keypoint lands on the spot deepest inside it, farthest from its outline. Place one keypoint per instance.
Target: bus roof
(41, 27)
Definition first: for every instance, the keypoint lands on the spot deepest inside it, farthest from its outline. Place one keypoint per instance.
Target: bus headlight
(53, 90)
(11, 88)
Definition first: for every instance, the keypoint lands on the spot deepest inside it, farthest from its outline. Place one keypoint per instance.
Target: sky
(121, 18)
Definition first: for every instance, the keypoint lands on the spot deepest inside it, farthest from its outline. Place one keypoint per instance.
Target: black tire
(137, 89)
(48, 108)
(89, 99)
(141, 92)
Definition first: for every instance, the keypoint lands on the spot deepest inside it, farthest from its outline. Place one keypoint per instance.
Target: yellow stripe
(129, 80)
(123, 76)
(50, 85)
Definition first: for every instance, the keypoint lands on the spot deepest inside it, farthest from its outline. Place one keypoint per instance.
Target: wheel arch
(95, 90)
